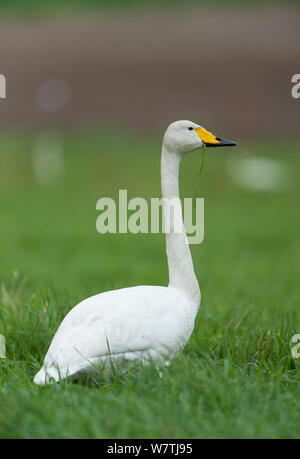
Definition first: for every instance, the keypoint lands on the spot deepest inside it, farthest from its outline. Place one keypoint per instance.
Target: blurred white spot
(259, 173)
(53, 95)
(47, 158)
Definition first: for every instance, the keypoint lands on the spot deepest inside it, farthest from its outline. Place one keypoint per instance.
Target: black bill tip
(221, 143)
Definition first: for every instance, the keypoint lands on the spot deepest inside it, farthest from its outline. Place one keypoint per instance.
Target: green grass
(53, 6)
(236, 377)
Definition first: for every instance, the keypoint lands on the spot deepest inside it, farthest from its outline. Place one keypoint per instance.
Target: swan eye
(191, 129)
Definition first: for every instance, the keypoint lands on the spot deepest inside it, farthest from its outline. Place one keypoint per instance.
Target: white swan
(138, 323)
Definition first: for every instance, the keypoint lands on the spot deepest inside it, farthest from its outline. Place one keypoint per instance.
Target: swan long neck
(181, 269)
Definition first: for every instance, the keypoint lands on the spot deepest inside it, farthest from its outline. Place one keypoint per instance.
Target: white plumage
(139, 323)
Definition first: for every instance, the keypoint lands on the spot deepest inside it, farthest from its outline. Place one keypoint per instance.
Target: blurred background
(140, 66)
(90, 89)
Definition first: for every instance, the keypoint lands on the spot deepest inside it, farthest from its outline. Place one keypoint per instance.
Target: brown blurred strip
(229, 70)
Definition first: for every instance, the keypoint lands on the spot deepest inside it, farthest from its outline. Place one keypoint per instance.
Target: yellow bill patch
(206, 136)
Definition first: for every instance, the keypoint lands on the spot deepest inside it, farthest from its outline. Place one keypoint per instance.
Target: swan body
(138, 323)
(134, 323)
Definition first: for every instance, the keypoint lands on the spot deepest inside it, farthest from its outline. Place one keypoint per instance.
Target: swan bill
(210, 140)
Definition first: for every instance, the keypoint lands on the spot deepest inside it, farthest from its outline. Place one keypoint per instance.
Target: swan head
(185, 136)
